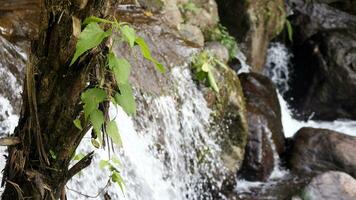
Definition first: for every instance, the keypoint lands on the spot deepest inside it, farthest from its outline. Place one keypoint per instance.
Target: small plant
(289, 30)
(94, 97)
(202, 65)
(188, 7)
(220, 34)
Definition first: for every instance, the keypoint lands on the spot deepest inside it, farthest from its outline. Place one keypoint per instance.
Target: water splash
(277, 66)
(245, 68)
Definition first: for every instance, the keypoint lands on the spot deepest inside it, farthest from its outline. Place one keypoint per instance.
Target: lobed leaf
(97, 120)
(126, 99)
(147, 54)
(129, 34)
(90, 37)
(113, 133)
(120, 67)
(91, 98)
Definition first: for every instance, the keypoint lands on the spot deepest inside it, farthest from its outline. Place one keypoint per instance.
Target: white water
(169, 151)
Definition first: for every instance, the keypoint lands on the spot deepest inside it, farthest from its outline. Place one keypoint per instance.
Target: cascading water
(278, 70)
(169, 149)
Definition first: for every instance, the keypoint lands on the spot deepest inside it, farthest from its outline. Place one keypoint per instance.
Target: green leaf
(289, 30)
(78, 124)
(79, 156)
(129, 34)
(126, 99)
(53, 155)
(147, 54)
(113, 133)
(97, 120)
(95, 143)
(206, 67)
(91, 98)
(103, 164)
(90, 37)
(212, 81)
(116, 160)
(120, 67)
(93, 19)
(116, 178)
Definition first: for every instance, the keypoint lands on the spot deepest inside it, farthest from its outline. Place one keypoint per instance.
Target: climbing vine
(95, 96)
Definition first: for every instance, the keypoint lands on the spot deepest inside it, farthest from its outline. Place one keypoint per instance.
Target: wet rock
(324, 78)
(230, 116)
(311, 17)
(324, 62)
(320, 150)
(254, 23)
(330, 186)
(265, 126)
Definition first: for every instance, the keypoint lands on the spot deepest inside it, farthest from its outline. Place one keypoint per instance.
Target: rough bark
(51, 102)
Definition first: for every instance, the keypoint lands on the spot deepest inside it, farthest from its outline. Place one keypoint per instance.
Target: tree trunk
(51, 101)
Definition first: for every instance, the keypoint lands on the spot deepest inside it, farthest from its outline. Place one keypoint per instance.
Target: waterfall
(169, 149)
(278, 70)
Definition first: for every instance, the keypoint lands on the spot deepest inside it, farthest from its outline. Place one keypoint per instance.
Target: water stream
(170, 151)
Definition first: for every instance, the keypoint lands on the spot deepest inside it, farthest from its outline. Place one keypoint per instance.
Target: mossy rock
(230, 116)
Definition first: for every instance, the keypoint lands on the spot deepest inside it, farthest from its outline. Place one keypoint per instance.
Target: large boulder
(266, 137)
(324, 78)
(254, 23)
(330, 186)
(319, 150)
(324, 59)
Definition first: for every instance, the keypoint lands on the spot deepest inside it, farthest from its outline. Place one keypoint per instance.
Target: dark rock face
(330, 186)
(324, 61)
(325, 76)
(264, 120)
(320, 150)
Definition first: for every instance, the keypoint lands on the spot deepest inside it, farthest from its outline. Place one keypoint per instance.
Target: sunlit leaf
(205, 67)
(95, 143)
(129, 34)
(90, 37)
(78, 124)
(79, 156)
(97, 120)
(113, 133)
(289, 30)
(103, 164)
(92, 19)
(212, 81)
(116, 178)
(120, 67)
(91, 98)
(53, 155)
(126, 99)
(147, 54)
